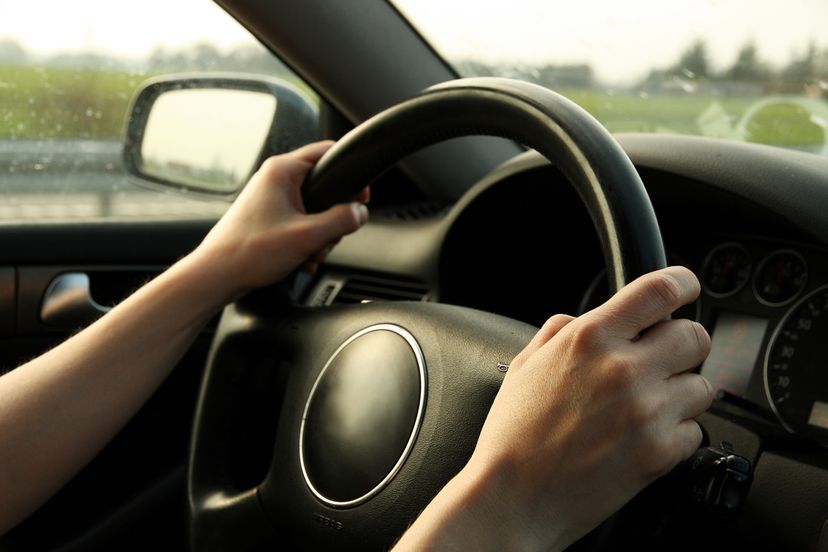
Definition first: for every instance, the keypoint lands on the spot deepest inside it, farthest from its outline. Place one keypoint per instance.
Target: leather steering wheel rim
(557, 128)
(222, 514)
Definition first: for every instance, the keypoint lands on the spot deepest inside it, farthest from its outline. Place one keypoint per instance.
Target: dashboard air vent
(344, 289)
(413, 211)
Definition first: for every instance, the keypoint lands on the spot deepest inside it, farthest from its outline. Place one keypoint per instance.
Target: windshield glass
(736, 69)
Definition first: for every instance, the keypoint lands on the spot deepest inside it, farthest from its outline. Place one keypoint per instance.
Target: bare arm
(60, 409)
(591, 411)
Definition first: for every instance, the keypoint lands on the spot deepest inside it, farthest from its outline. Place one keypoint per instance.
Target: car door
(77, 234)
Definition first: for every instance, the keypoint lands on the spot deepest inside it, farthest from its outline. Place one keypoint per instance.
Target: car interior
(480, 229)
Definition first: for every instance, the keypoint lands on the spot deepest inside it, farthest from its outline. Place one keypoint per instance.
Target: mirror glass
(208, 139)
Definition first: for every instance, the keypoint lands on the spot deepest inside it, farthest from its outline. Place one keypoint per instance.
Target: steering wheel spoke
(218, 520)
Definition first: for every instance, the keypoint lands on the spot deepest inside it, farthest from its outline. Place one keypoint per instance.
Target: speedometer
(796, 367)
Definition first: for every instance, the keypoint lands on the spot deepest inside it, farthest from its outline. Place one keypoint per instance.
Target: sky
(621, 39)
(128, 28)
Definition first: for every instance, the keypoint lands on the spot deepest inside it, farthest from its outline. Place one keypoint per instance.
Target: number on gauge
(796, 367)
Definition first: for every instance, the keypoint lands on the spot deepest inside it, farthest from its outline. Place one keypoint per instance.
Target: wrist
(211, 276)
(481, 509)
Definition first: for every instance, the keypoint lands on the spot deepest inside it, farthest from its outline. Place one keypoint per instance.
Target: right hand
(590, 412)
(266, 233)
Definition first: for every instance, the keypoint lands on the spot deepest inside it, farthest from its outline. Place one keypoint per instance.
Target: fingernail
(360, 212)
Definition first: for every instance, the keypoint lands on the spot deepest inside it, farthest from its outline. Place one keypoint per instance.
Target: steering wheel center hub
(362, 416)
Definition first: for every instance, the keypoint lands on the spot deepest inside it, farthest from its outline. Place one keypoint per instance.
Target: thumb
(336, 222)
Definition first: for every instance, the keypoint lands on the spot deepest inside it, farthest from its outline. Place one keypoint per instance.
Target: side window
(66, 80)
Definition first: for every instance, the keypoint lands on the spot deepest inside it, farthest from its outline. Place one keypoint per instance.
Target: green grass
(784, 125)
(38, 103)
(625, 112)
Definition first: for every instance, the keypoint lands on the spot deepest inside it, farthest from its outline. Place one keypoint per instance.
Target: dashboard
(748, 220)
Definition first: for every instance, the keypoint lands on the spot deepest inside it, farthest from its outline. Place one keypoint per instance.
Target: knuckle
(665, 289)
(702, 338)
(687, 335)
(270, 165)
(586, 336)
(642, 412)
(553, 325)
(558, 320)
(695, 441)
(707, 392)
(620, 374)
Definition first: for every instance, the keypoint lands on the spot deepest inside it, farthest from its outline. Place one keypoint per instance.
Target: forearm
(60, 409)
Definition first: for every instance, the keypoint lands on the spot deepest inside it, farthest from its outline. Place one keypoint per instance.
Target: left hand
(266, 233)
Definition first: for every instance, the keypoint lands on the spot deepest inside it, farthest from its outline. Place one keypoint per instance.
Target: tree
(748, 67)
(693, 62)
(203, 56)
(802, 69)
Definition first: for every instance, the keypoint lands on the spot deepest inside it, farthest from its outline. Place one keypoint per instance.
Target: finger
(332, 224)
(647, 300)
(687, 438)
(549, 330)
(320, 256)
(311, 153)
(675, 346)
(364, 195)
(690, 394)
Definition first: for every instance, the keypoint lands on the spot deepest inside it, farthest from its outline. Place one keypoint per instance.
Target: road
(64, 180)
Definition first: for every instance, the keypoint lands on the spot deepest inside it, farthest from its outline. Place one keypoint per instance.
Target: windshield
(735, 69)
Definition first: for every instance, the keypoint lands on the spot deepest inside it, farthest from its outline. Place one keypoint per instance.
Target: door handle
(68, 301)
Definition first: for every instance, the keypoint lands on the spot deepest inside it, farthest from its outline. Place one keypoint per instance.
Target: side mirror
(209, 133)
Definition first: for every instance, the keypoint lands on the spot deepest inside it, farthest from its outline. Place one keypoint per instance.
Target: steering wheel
(360, 414)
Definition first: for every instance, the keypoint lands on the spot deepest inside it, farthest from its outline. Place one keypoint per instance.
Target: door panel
(132, 495)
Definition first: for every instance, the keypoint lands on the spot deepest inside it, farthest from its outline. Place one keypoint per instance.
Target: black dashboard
(750, 221)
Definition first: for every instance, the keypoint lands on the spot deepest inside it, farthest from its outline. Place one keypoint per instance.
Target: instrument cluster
(766, 309)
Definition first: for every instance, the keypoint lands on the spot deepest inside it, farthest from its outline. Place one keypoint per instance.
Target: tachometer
(796, 367)
(780, 278)
(726, 269)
